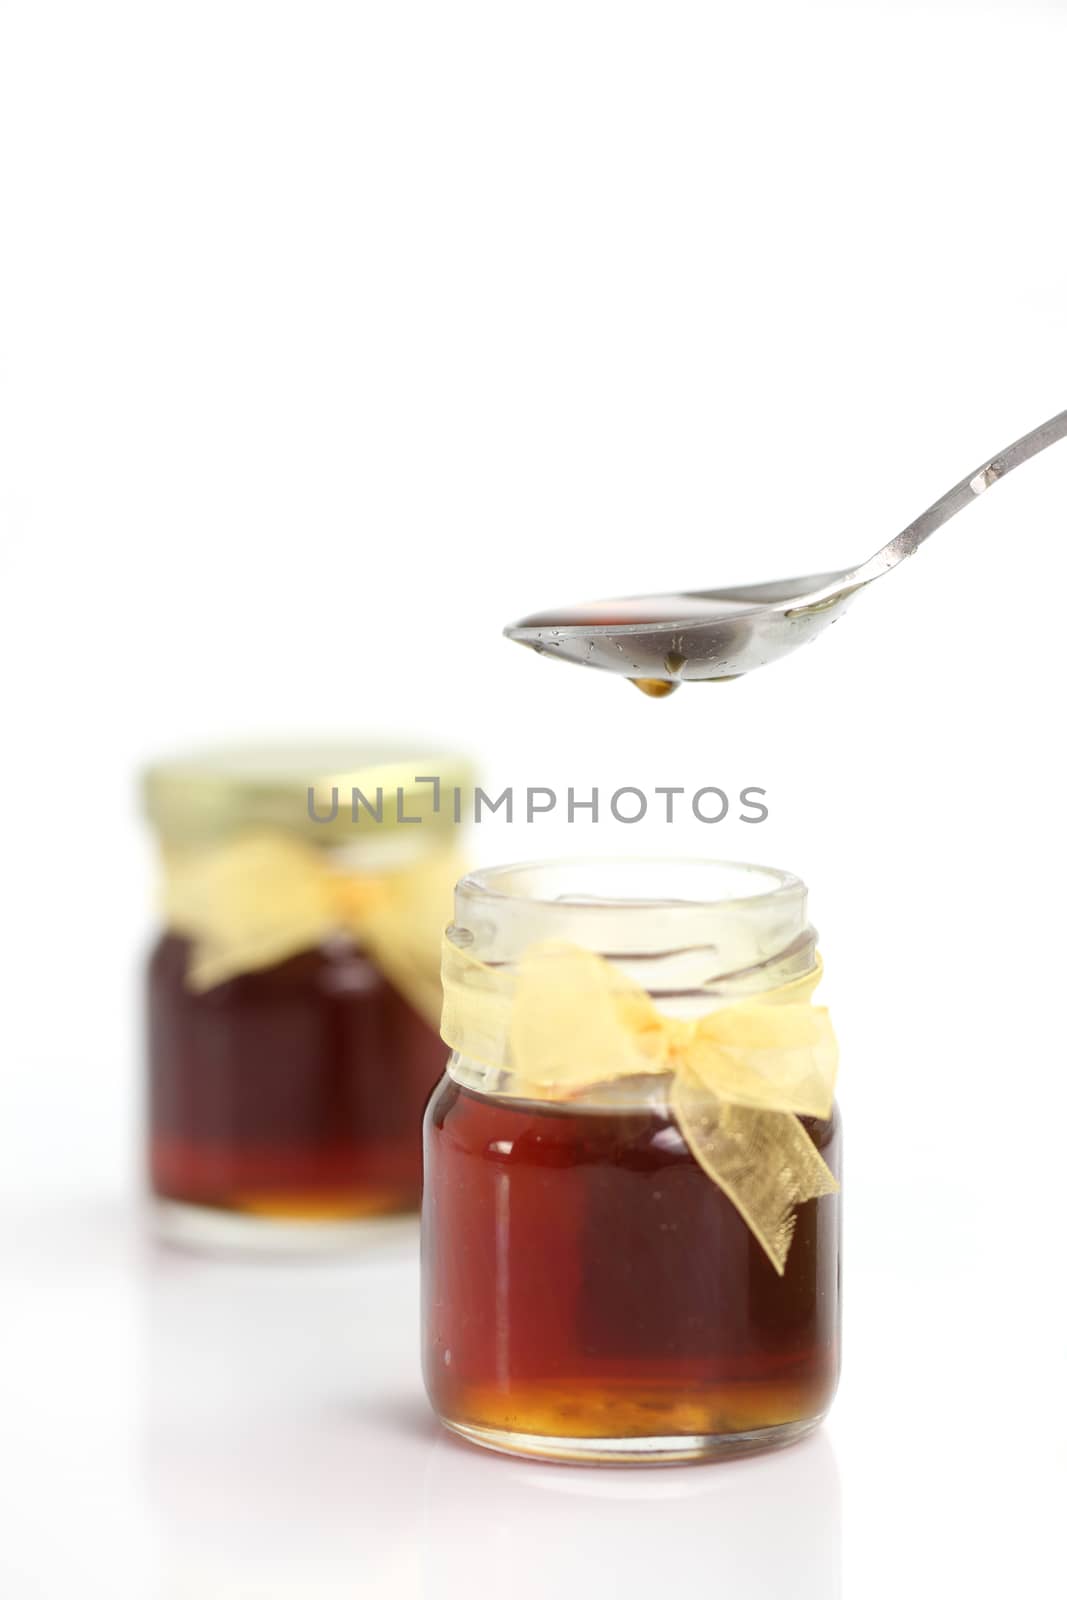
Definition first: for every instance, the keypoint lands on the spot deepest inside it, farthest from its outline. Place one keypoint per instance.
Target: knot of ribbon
(253, 901)
(564, 1021)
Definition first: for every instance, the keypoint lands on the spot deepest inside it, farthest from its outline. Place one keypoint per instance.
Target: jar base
(651, 1451)
(213, 1231)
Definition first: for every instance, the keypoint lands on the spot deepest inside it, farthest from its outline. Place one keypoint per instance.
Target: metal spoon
(661, 641)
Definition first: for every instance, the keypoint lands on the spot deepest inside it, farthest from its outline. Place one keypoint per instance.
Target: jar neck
(694, 934)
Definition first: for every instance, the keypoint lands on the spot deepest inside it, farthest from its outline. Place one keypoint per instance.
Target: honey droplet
(658, 688)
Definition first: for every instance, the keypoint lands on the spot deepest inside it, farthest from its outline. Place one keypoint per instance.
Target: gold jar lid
(218, 793)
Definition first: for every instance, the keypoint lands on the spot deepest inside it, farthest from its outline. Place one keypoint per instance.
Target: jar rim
(659, 918)
(502, 883)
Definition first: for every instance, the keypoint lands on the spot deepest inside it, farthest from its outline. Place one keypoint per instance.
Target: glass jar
(293, 995)
(590, 1293)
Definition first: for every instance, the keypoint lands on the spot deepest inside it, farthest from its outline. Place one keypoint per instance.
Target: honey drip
(655, 688)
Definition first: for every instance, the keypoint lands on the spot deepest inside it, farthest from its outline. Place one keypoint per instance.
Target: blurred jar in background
(294, 993)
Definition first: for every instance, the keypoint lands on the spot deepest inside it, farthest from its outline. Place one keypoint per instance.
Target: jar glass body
(590, 1293)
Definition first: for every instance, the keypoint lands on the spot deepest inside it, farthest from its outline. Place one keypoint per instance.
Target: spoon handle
(962, 494)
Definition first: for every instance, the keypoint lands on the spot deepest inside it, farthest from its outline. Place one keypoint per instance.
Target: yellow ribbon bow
(253, 901)
(566, 1020)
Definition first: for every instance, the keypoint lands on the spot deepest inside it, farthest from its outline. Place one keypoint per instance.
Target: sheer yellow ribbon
(255, 900)
(565, 1020)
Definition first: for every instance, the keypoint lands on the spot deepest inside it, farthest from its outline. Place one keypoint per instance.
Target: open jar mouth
(680, 927)
(632, 882)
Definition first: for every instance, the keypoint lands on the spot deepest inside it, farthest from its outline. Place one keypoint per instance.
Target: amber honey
(293, 1093)
(584, 1280)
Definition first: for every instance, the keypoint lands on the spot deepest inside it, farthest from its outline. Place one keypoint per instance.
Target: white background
(333, 337)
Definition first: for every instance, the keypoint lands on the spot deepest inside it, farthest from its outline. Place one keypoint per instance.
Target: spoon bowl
(713, 635)
(693, 637)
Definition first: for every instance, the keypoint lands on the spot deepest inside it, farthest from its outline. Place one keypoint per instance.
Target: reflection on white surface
(286, 1449)
(267, 1447)
(761, 1527)
(186, 1429)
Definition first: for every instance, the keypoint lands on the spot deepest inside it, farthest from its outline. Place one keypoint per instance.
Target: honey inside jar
(586, 1280)
(294, 1094)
